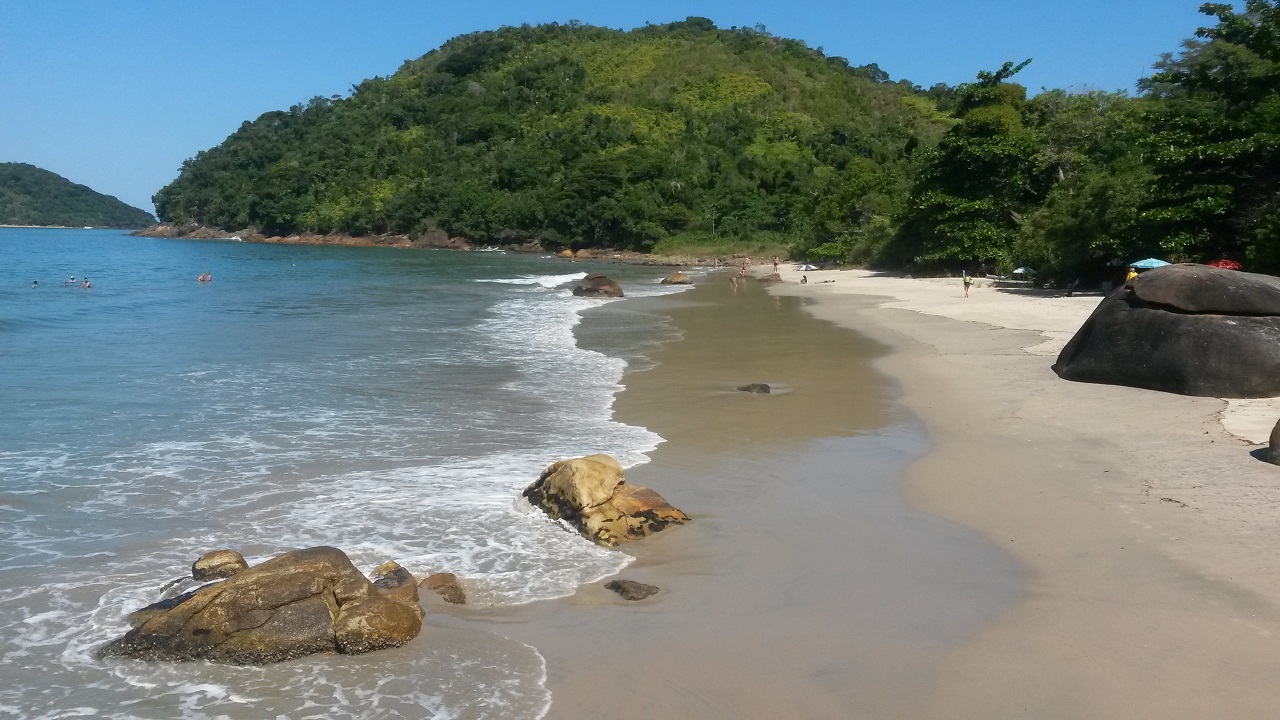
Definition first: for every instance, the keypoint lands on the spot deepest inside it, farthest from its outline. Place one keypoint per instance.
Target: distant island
(31, 196)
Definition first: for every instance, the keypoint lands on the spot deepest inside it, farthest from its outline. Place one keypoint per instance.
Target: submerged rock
(630, 589)
(757, 388)
(597, 285)
(1187, 329)
(295, 604)
(590, 494)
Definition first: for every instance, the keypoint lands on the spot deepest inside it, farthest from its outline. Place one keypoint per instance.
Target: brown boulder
(566, 253)
(771, 278)
(218, 564)
(677, 278)
(756, 389)
(630, 589)
(590, 494)
(393, 581)
(435, 238)
(446, 585)
(295, 604)
(583, 254)
(597, 285)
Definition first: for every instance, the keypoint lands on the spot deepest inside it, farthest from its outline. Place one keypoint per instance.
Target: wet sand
(806, 585)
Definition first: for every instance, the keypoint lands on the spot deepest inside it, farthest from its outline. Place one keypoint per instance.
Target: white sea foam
(414, 448)
(546, 281)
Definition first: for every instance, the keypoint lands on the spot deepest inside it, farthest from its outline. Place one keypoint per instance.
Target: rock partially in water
(1187, 329)
(630, 589)
(677, 278)
(217, 565)
(446, 585)
(590, 494)
(597, 285)
(771, 278)
(295, 604)
(756, 388)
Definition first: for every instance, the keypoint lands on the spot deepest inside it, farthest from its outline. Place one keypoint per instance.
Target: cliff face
(32, 196)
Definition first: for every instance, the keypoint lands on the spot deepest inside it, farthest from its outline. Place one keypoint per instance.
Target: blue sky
(116, 95)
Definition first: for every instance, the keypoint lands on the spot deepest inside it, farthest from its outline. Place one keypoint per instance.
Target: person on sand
(967, 280)
(804, 279)
(775, 264)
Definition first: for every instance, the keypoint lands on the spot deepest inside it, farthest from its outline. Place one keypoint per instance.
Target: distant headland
(34, 197)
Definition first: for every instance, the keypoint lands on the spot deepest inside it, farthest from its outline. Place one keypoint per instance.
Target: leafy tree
(1215, 143)
(970, 194)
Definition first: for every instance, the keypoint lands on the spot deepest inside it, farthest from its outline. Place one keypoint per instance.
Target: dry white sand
(1147, 526)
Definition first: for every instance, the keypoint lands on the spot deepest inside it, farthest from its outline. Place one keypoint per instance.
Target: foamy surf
(394, 405)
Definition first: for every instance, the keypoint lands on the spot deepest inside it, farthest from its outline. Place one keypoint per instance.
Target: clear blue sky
(115, 95)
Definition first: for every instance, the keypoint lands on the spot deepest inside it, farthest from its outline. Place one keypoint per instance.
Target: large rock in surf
(295, 604)
(1187, 329)
(597, 285)
(590, 494)
(677, 278)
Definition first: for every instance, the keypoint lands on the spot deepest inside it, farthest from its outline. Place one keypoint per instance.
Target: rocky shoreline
(429, 240)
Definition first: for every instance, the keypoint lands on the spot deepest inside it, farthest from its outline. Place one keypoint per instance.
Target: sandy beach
(1145, 528)
(1057, 550)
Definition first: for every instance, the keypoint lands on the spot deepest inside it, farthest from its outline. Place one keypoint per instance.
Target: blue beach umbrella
(1148, 264)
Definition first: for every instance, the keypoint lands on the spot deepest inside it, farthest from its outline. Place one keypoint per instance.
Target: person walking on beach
(967, 280)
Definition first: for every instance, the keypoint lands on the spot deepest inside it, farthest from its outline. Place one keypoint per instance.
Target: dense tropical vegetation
(690, 135)
(32, 196)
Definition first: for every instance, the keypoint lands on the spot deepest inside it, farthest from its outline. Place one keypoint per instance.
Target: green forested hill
(580, 135)
(32, 196)
(688, 134)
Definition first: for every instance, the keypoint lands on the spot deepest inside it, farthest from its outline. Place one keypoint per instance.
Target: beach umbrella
(1225, 264)
(1148, 264)
(1024, 271)
(808, 268)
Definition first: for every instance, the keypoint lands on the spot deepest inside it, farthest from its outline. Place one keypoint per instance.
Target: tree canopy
(578, 135)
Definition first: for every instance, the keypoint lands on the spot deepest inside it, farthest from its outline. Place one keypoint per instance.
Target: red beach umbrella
(1225, 264)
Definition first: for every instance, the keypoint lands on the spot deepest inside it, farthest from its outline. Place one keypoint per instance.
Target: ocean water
(391, 403)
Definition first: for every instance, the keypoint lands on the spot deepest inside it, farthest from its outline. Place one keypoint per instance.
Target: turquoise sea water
(392, 403)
